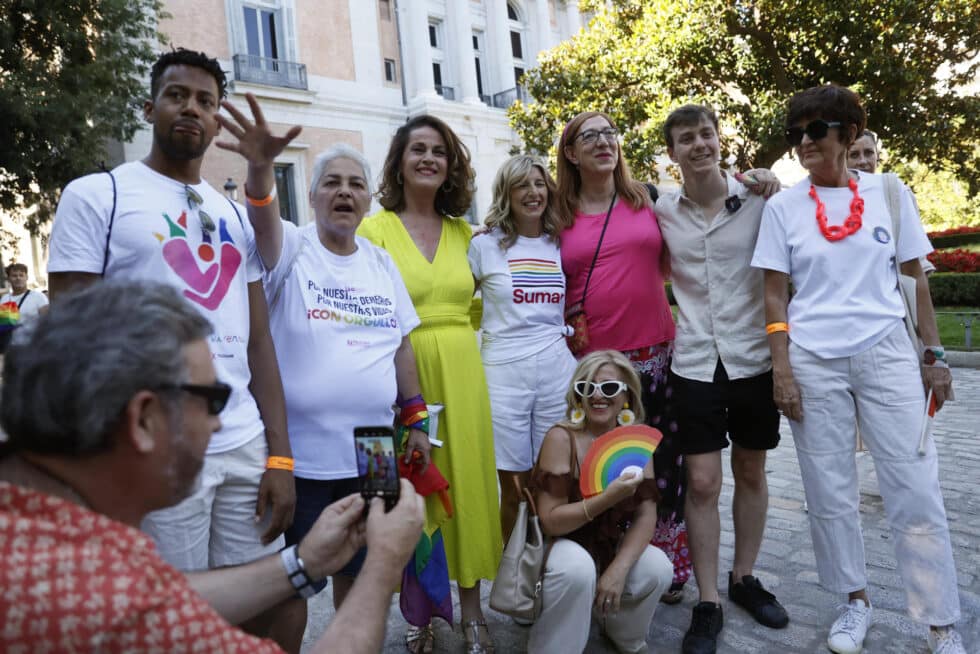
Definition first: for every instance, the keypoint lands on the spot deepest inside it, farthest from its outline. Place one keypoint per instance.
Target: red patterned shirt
(76, 581)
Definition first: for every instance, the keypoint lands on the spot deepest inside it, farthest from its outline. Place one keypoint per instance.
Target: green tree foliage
(71, 77)
(909, 59)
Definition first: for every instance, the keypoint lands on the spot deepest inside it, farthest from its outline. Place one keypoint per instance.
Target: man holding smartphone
(109, 403)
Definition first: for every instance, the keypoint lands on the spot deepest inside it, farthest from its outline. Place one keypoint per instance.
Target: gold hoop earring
(399, 179)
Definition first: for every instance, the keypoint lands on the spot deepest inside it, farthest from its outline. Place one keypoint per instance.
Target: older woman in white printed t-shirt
(340, 318)
(517, 267)
(842, 356)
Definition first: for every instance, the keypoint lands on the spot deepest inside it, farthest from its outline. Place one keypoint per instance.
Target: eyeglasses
(815, 129)
(216, 395)
(592, 135)
(194, 201)
(608, 389)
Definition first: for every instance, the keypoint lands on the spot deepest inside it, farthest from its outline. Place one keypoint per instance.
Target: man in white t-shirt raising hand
(157, 219)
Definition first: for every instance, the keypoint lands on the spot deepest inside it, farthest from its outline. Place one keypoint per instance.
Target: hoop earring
(577, 416)
(399, 178)
(626, 417)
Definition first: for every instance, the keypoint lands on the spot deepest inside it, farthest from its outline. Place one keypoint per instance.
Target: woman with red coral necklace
(841, 355)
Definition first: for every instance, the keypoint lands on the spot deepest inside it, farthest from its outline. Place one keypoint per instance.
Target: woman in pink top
(625, 300)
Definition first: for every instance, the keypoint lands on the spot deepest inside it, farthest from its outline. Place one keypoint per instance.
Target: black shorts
(312, 497)
(742, 409)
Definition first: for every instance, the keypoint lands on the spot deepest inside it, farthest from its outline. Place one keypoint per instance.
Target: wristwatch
(296, 571)
(932, 354)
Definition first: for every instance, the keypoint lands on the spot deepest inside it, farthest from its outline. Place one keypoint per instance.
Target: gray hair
(339, 151)
(69, 374)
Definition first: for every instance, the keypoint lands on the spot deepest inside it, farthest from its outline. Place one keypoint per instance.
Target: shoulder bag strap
(23, 297)
(595, 257)
(112, 218)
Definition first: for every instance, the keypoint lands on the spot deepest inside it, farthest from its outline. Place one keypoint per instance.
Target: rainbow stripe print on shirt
(9, 315)
(536, 275)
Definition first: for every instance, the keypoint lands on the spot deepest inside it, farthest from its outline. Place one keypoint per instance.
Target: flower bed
(962, 261)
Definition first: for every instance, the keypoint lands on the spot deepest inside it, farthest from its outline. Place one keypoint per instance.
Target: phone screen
(377, 463)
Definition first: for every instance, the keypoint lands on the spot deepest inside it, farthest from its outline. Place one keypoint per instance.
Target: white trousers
(214, 527)
(527, 398)
(880, 390)
(569, 591)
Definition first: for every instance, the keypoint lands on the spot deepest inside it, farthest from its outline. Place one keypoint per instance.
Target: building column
(573, 21)
(503, 56)
(414, 25)
(367, 47)
(544, 38)
(461, 31)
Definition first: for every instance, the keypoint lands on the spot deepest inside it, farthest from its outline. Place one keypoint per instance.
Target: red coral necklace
(853, 222)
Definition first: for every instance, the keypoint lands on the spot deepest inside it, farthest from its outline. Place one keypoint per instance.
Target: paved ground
(786, 563)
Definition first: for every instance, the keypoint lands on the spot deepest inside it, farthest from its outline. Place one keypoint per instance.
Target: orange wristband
(774, 327)
(279, 463)
(264, 202)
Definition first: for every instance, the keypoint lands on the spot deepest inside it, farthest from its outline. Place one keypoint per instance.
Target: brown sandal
(420, 640)
(475, 642)
(672, 596)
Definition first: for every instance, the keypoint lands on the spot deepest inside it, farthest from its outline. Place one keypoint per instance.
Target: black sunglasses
(815, 129)
(216, 395)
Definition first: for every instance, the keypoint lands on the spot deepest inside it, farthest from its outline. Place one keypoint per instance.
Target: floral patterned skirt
(652, 363)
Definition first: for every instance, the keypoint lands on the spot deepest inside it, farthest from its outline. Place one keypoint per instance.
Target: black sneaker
(751, 596)
(706, 624)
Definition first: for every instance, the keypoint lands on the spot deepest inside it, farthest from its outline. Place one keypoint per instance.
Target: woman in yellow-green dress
(427, 178)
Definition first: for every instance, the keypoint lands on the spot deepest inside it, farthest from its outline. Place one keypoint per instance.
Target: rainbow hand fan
(613, 452)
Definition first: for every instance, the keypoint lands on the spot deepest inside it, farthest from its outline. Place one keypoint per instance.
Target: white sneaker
(945, 641)
(848, 631)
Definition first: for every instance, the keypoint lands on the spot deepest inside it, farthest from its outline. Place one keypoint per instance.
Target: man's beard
(184, 468)
(181, 149)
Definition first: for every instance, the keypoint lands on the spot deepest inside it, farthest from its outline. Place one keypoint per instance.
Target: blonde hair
(514, 171)
(570, 179)
(587, 369)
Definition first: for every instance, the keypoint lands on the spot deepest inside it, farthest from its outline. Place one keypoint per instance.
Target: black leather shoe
(706, 623)
(751, 596)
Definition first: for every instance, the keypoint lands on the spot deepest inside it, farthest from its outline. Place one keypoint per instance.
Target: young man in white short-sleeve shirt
(158, 219)
(721, 371)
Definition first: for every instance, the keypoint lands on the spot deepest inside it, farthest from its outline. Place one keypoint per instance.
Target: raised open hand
(254, 140)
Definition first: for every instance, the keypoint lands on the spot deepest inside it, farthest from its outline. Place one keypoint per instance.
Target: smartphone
(377, 464)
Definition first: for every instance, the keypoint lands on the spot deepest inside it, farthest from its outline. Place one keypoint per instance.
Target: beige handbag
(906, 284)
(516, 590)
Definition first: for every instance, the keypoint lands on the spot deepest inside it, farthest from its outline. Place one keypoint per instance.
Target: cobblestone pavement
(786, 564)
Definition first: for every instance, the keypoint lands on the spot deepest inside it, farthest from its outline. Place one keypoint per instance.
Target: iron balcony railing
(271, 72)
(447, 92)
(504, 99)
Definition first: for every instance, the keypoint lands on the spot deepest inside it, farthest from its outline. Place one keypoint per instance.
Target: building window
(262, 34)
(518, 28)
(441, 71)
(286, 190)
(384, 9)
(437, 74)
(433, 35)
(478, 59)
(390, 71)
(264, 37)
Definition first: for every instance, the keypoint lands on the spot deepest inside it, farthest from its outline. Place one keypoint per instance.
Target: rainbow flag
(9, 316)
(425, 590)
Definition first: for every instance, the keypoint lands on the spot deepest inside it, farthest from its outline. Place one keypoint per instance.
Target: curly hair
(185, 57)
(570, 179)
(455, 195)
(514, 171)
